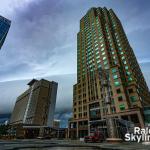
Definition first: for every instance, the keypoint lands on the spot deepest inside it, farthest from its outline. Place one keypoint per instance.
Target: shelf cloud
(42, 43)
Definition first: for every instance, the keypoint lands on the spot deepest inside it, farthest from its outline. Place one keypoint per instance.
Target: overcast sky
(42, 43)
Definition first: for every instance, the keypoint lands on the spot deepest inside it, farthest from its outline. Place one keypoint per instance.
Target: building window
(104, 58)
(113, 53)
(121, 53)
(114, 57)
(85, 114)
(120, 98)
(96, 45)
(97, 57)
(128, 73)
(99, 66)
(80, 115)
(113, 109)
(84, 107)
(130, 79)
(130, 91)
(124, 62)
(115, 76)
(122, 107)
(126, 67)
(102, 49)
(133, 99)
(105, 62)
(122, 57)
(103, 53)
(98, 61)
(102, 45)
(114, 70)
(101, 40)
(100, 36)
(112, 101)
(112, 48)
(117, 83)
(106, 67)
(115, 62)
(118, 91)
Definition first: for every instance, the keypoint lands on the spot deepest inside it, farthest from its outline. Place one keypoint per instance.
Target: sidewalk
(125, 146)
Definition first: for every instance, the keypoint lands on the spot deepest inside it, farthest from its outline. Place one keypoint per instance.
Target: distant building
(56, 124)
(4, 28)
(4, 119)
(36, 105)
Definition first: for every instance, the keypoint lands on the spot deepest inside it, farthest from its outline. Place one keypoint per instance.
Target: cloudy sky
(42, 43)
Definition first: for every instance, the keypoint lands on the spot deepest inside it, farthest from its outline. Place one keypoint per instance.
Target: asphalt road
(36, 144)
(63, 148)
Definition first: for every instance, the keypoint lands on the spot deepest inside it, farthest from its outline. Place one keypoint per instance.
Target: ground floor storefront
(30, 132)
(123, 122)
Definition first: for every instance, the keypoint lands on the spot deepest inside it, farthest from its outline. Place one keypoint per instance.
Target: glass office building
(4, 28)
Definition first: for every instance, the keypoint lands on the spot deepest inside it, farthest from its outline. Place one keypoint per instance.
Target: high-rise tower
(36, 106)
(4, 28)
(102, 45)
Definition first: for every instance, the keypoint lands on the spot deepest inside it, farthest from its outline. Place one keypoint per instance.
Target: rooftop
(32, 82)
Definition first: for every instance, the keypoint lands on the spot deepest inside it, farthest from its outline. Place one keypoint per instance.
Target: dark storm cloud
(145, 67)
(40, 23)
(44, 31)
(39, 37)
(42, 42)
(15, 68)
(9, 92)
(48, 24)
(142, 48)
(63, 117)
(12, 89)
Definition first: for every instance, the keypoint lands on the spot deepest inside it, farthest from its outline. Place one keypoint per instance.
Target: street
(62, 148)
(36, 144)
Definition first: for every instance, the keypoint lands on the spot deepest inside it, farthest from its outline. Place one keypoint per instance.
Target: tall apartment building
(102, 46)
(4, 28)
(36, 105)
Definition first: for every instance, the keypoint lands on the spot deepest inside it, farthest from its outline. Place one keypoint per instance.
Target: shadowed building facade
(36, 105)
(102, 45)
(4, 28)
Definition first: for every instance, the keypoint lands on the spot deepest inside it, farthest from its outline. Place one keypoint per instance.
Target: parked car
(94, 137)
